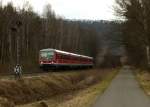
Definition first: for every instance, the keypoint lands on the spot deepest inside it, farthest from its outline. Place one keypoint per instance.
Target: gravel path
(124, 91)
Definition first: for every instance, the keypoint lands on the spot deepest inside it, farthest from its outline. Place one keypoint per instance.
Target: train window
(64, 56)
(46, 54)
(58, 56)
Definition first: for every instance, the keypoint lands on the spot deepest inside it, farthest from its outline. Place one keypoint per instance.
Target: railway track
(11, 76)
(24, 75)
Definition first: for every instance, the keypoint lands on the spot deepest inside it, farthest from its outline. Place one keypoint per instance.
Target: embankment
(32, 89)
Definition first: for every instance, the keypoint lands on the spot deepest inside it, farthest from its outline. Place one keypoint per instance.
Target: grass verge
(81, 98)
(87, 97)
(143, 78)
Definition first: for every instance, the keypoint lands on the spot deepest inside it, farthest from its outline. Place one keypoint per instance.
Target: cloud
(74, 9)
(84, 9)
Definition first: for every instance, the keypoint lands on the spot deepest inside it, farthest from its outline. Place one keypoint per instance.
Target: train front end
(46, 58)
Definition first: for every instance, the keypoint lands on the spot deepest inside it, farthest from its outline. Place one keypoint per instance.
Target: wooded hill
(109, 43)
(36, 32)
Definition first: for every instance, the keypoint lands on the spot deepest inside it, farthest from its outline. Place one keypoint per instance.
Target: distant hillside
(109, 40)
(109, 35)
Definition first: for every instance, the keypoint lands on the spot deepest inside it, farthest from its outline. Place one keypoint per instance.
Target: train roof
(63, 52)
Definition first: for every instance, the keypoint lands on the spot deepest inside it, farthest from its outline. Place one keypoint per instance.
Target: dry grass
(81, 98)
(144, 80)
(51, 85)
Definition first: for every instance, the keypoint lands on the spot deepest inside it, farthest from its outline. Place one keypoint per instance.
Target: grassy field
(80, 98)
(55, 89)
(144, 80)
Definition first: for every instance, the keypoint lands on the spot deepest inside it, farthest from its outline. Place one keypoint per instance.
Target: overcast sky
(74, 9)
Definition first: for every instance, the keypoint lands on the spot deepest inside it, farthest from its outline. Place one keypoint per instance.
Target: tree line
(136, 30)
(37, 32)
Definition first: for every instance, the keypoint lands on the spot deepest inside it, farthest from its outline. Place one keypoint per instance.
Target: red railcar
(52, 58)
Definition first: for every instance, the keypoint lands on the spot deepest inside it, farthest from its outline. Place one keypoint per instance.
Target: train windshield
(47, 55)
